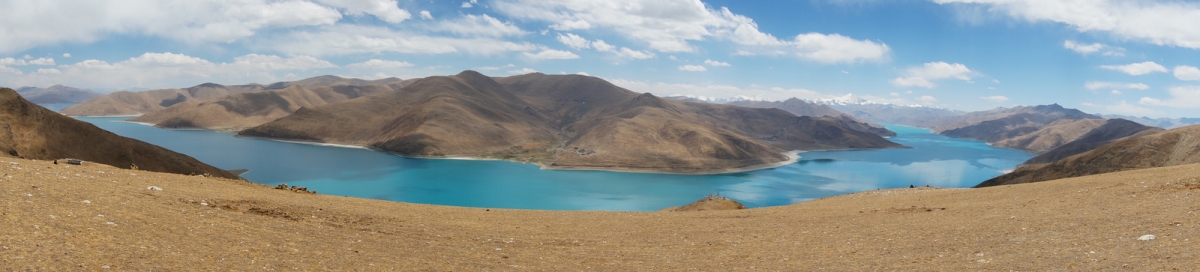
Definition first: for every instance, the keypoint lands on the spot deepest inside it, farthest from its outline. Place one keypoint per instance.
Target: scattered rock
(1147, 237)
(85, 201)
(154, 188)
(284, 186)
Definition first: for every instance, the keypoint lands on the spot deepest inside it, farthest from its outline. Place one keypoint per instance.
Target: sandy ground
(95, 217)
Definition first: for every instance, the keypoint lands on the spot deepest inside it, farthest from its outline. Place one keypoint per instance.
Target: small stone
(154, 188)
(1147, 237)
(85, 201)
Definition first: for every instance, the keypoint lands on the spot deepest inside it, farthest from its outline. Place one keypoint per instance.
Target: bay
(934, 160)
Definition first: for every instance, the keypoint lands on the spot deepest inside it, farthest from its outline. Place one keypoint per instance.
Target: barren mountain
(563, 121)
(802, 108)
(1167, 123)
(138, 103)
(1166, 148)
(1111, 130)
(1034, 129)
(245, 110)
(56, 94)
(32, 132)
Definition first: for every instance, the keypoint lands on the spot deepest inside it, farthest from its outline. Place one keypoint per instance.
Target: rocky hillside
(32, 132)
(563, 121)
(1165, 148)
(239, 111)
(138, 103)
(56, 94)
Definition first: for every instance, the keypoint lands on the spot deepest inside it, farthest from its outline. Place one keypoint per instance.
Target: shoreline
(306, 142)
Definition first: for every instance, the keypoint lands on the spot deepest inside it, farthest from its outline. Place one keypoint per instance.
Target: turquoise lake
(934, 160)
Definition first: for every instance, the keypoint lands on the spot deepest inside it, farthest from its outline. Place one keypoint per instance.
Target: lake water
(934, 160)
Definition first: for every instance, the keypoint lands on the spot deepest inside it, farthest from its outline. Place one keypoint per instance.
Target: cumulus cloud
(163, 70)
(1187, 97)
(1085, 49)
(1097, 85)
(378, 63)
(1184, 72)
(550, 54)
(693, 68)
(1137, 69)
(1167, 23)
(66, 55)
(925, 99)
(996, 98)
(923, 76)
(352, 39)
(187, 21)
(714, 63)
(27, 61)
(425, 15)
(672, 25)
(574, 41)
(386, 10)
(480, 25)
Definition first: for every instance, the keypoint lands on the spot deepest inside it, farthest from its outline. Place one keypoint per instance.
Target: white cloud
(425, 15)
(693, 68)
(351, 39)
(550, 54)
(744, 53)
(164, 70)
(1137, 69)
(10, 70)
(1123, 108)
(927, 99)
(378, 63)
(714, 63)
(1167, 23)
(480, 25)
(1115, 92)
(187, 21)
(1187, 97)
(894, 94)
(27, 61)
(837, 48)
(602, 46)
(1184, 72)
(466, 5)
(923, 76)
(1097, 85)
(66, 55)
(1085, 49)
(672, 25)
(996, 98)
(583, 74)
(716, 90)
(522, 71)
(386, 10)
(574, 41)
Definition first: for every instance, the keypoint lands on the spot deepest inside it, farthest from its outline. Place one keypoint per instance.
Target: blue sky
(1101, 56)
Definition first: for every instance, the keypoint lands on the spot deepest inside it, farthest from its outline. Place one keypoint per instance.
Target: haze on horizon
(1112, 57)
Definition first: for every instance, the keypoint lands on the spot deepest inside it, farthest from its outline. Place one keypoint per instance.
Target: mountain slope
(894, 114)
(563, 121)
(1111, 130)
(32, 132)
(1166, 148)
(56, 94)
(1034, 129)
(239, 111)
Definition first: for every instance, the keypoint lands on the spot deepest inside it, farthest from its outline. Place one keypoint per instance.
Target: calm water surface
(934, 160)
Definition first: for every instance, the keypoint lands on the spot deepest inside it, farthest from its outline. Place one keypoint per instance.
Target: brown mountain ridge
(32, 132)
(563, 121)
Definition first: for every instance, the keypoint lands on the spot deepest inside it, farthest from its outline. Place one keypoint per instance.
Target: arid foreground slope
(91, 217)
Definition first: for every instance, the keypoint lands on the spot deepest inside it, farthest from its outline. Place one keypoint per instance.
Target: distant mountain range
(1167, 123)
(138, 103)
(32, 132)
(56, 94)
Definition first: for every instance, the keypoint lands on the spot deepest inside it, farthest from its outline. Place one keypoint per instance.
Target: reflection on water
(934, 160)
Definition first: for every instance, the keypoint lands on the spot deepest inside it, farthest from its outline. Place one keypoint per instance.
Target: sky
(1101, 56)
